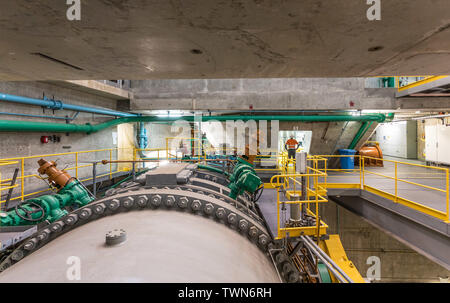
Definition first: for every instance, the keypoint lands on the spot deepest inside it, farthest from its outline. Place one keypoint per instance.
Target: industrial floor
(424, 176)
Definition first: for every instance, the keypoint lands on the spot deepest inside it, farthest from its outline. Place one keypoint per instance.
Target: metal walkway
(408, 201)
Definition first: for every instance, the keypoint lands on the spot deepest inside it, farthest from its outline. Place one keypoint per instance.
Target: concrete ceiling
(143, 39)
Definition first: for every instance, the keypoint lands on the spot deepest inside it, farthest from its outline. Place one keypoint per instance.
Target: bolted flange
(57, 226)
(196, 205)
(170, 201)
(209, 209)
(142, 201)
(253, 232)
(220, 213)
(183, 202)
(232, 218)
(17, 255)
(263, 240)
(128, 202)
(30, 244)
(85, 213)
(110, 192)
(99, 209)
(71, 219)
(243, 225)
(43, 235)
(113, 204)
(156, 200)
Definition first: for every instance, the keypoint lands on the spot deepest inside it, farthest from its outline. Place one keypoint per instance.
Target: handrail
(23, 176)
(396, 197)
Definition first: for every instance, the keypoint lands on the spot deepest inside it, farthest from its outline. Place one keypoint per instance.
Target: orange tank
(373, 151)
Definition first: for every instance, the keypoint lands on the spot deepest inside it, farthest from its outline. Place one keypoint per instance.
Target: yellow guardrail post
(396, 183)
(447, 194)
(22, 177)
(362, 173)
(278, 210)
(110, 164)
(76, 165)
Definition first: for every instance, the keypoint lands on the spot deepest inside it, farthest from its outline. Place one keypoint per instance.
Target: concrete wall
(327, 137)
(260, 94)
(361, 240)
(17, 144)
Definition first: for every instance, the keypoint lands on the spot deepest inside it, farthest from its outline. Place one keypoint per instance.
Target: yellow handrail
(23, 176)
(396, 197)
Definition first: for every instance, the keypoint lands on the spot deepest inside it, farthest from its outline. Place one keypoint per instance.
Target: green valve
(49, 207)
(243, 178)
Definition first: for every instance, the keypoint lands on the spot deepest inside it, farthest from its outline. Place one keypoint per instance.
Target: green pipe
(210, 168)
(27, 126)
(361, 132)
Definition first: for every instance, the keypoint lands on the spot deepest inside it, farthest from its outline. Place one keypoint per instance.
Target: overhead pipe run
(56, 104)
(27, 126)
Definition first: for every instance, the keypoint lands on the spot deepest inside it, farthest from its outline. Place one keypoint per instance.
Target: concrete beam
(261, 94)
(96, 88)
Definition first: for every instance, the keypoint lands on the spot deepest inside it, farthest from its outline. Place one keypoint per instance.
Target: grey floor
(425, 176)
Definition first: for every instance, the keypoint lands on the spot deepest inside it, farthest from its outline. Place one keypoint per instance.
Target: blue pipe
(36, 116)
(143, 139)
(56, 104)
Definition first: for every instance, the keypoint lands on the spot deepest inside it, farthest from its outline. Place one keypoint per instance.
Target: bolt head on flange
(142, 201)
(183, 202)
(253, 232)
(71, 219)
(57, 226)
(128, 202)
(263, 240)
(156, 200)
(114, 204)
(232, 218)
(170, 201)
(85, 213)
(243, 225)
(99, 209)
(209, 208)
(17, 255)
(220, 213)
(196, 205)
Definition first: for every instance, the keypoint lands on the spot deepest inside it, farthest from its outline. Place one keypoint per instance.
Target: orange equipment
(371, 150)
(57, 178)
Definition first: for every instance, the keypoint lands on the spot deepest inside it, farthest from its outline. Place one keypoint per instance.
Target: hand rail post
(448, 189)
(396, 183)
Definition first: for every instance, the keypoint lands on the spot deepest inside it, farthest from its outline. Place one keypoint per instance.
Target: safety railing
(419, 80)
(76, 163)
(300, 189)
(387, 182)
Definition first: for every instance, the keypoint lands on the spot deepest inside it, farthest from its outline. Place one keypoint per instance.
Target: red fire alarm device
(44, 139)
